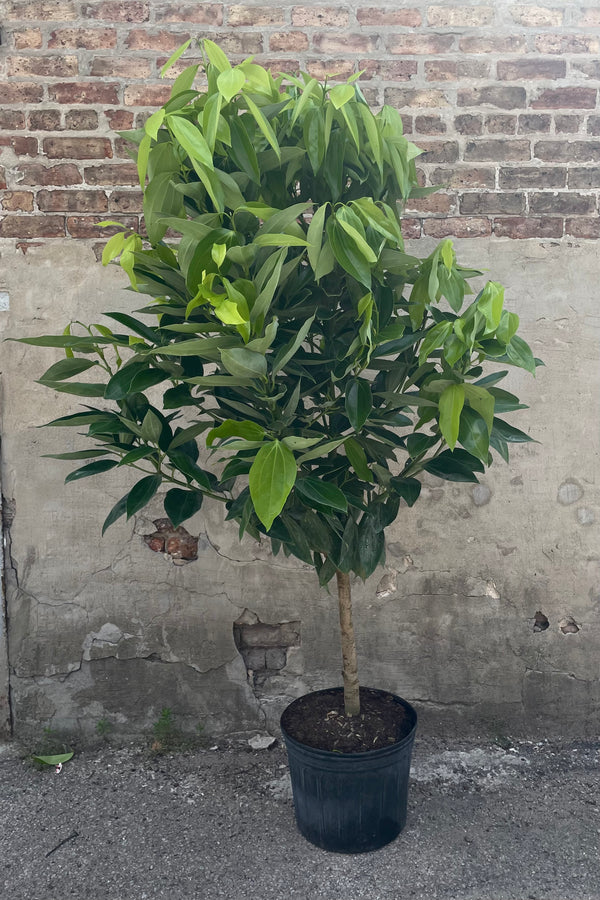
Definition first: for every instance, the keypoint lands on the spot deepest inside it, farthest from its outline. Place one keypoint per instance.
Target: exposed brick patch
(497, 150)
(81, 120)
(582, 179)
(457, 227)
(565, 124)
(21, 146)
(264, 647)
(374, 15)
(288, 41)
(87, 227)
(117, 11)
(330, 42)
(142, 39)
(583, 228)
(468, 124)
(498, 43)
(566, 98)
(455, 70)
(430, 125)
(41, 10)
(114, 174)
(58, 176)
(45, 120)
(195, 13)
(114, 67)
(465, 177)
(84, 92)
(500, 124)
(28, 39)
(72, 201)
(460, 16)
(84, 38)
(328, 16)
(416, 99)
(532, 122)
(330, 68)
(567, 43)
(435, 204)
(388, 70)
(146, 95)
(493, 95)
(418, 44)
(492, 204)
(567, 151)
(18, 201)
(521, 228)
(590, 17)
(254, 15)
(537, 16)
(411, 229)
(567, 203)
(527, 69)
(534, 177)
(44, 66)
(439, 151)
(12, 119)
(125, 202)
(32, 226)
(77, 148)
(177, 543)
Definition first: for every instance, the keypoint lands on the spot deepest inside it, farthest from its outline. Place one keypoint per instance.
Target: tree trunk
(350, 668)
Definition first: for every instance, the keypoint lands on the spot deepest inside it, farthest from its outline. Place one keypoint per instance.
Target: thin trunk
(350, 668)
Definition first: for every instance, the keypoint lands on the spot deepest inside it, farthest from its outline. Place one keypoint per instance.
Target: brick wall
(503, 97)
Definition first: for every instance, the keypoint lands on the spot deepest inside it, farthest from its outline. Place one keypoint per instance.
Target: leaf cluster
(325, 367)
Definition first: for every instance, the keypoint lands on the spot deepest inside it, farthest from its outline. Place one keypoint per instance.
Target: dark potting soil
(318, 720)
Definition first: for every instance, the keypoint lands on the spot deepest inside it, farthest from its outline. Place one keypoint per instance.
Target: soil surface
(318, 720)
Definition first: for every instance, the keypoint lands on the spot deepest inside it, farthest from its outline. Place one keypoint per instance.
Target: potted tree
(323, 367)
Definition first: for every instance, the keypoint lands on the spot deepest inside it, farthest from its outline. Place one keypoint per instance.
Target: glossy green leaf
(95, 468)
(141, 493)
(473, 434)
(370, 546)
(232, 428)
(490, 304)
(271, 479)
(340, 94)
(181, 505)
(519, 353)
(244, 363)
(320, 495)
(451, 468)
(54, 759)
(230, 82)
(118, 510)
(174, 57)
(76, 454)
(358, 459)
(451, 403)
(510, 434)
(358, 402)
(191, 139)
(407, 488)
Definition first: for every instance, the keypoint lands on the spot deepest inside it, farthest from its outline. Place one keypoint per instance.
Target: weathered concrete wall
(104, 628)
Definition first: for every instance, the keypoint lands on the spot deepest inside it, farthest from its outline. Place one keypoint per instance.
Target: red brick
(430, 125)
(457, 227)
(527, 69)
(493, 95)
(501, 124)
(32, 226)
(22, 92)
(329, 16)
(416, 99)
(22, 146)
(81, 120)
(329, 42)
(460, 16)
(491, 203)
(583, 228)
(142, 39)
(530, 122)
(45, 120)
(568, 124)
(72, 201)
(61, 176)
(388, 69)
(117, 11)
(438, 151)
(418, 44)
(567, 43)
(527, 177)
(522, 228)
(84, 92)
(119, 119)
(537, 16)
(453, 70)
(468, 124)
(277, 66)
(567, 151)
(147, 94)
(44, 66)
(84, 38)
(439, 204)
(290, 41)
(513, 43)
(498, 150)
(458, 177)
(239, 42)
(28, 39)
(373, 15)
(566, 98)
(125, 202)
(411, 229)
(334, 69)
(197, 13)
(43, 10)
(115, 173)
(18, 201)
(567, 203)
(123, 67)
(88, 227)
(254, 15)
(12, 119)
(77, 148)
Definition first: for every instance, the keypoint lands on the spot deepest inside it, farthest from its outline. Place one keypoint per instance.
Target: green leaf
(490, 304)
(152, 125)
(191, 139)
(263, 124)
(151, 428)
(509, 323)
(451, 403)
(79, 388)
(173, 59)
(76, 454)
(119, 386)
(231, 428)
(230, 82)
(455, 466)
(519, 353)
(216, 55)
(95, 468)
(320, 451)
(510, 434)
(434, 339)
(370, 545)
(55, 759)
(188, 434)
(141, 493)
(407, 488)
(118, 510)
(181, 505)
(288, 350)
(320, 495)
(358, 402)
(271, 479)
(340, 94)
(65, 368)
(244, 363)
(473, 434)
(358, 459)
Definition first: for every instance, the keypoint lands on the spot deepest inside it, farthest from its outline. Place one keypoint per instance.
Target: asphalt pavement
(517, 822)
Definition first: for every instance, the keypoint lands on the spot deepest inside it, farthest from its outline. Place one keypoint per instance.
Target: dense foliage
(324, 367)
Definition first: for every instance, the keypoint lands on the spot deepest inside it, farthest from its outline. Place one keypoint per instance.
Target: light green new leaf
(482, 402)
(451, 403)
(340, 94)
(152, 124)
(474, 434)
(191, 139)
(230, 82)
(53, 760)
(271, 478)
(263, 124)
(315, 235)
(216, 55)
(358, 459)
(490, 304)
(173, 59)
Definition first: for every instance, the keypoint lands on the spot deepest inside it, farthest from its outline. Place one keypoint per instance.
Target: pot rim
(380, 752)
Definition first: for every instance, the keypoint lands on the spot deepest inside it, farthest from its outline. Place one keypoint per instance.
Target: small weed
(167, 736)
(103, 728)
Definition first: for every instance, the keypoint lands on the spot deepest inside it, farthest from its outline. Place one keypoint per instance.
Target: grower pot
(350, 802)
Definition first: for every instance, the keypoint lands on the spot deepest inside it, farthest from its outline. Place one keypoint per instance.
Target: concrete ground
(485, 823)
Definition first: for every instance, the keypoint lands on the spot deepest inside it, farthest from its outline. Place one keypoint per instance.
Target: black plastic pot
(351, 802)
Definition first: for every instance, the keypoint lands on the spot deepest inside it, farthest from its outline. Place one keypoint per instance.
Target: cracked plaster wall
(102, 628)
